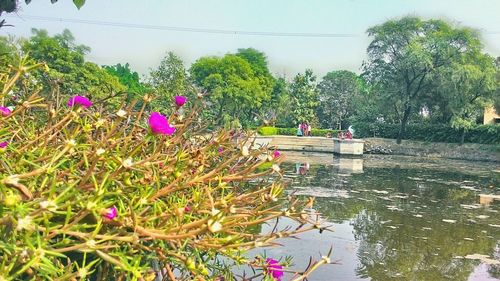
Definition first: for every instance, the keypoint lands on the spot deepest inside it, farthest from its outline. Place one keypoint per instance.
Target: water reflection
(347, 166)
(408, 221)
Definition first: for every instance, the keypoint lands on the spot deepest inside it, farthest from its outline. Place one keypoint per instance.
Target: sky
(143, 47)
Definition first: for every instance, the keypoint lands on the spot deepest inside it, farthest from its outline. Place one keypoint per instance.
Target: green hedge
(486, 134)
(268, 131)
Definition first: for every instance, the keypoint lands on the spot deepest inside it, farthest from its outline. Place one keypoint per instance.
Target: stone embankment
(467, 151)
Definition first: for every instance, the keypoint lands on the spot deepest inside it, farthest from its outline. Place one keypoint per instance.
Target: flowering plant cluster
(133, 195)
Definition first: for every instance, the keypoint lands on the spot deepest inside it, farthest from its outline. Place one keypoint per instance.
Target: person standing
(309, 129)
(299, 131)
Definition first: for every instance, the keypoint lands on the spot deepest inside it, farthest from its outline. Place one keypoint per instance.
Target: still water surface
(397, 218)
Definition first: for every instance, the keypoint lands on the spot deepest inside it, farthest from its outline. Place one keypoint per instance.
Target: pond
(397, 218)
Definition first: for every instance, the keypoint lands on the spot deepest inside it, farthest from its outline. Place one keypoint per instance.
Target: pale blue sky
(143, 48)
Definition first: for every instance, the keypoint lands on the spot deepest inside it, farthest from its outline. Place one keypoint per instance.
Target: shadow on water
(398, 218)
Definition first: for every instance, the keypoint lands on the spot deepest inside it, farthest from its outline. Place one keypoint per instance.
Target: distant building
(491, 116)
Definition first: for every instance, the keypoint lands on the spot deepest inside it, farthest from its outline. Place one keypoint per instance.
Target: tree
(234, 88)
(304, 98)
(337, 94)
(170, 79)
(278, 107)
(69, 73)
(129, 79)
(466, 88)
(404, 55)
(7, 51)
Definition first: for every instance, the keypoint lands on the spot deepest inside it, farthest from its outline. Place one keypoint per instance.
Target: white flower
(127, 163)
(91, 243)
(100, 151)
(121, 113)
(215, 212)
(143, 201)
(82, 273)
(71, 142)
(25, 223)
(48, 205)
(214, 226)
(100, 122)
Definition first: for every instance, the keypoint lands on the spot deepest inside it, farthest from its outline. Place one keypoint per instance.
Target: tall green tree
(234, 89)
(467, 87)
(69, 73)
(304, 98)
(170, 79)
(338, 92)
(128, 78)
(278, 107)
(405, 54)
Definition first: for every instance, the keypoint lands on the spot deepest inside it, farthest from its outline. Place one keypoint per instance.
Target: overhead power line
(189, 29)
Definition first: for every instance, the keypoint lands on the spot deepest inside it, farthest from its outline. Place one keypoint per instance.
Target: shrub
(92, 195)
(268, 131)
(485, 134)
(287, 131)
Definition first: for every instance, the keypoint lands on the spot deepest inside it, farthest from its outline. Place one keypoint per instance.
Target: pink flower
(79, 100)
(221, 150)
(4, 111)
(276, 154)
(180, 100)
(111, 213)
(187, 209)
(274, 269)
(159, 124)
(4, 144)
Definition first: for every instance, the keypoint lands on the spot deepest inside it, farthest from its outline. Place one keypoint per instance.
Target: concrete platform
(351, 147)
(314, 144)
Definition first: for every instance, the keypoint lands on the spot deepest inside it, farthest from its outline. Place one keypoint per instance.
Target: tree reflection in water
(411, 223)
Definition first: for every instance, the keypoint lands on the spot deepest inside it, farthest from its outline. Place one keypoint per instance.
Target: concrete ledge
(353, 147)
(293, 143)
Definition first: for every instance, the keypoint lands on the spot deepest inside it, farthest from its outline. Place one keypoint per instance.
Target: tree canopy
(338, 92)
(406, 54)
(304, 98)
(68, 69)
(170, 79)
(234, 88)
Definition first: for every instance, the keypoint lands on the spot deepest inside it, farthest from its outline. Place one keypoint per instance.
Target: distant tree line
(417, 71)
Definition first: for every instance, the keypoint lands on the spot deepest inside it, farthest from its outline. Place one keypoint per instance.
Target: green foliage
(406, 54)
(338, 95)
(69, 73)
(170, 79)
(130, 79)
(304, 98)
(187, 204)
(234, 88)
(269, 131)
(486, 134)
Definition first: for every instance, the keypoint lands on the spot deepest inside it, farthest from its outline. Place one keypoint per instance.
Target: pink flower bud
(180, 100)
(274, 269)
(4, 111)
(111, 213)
(276, 154)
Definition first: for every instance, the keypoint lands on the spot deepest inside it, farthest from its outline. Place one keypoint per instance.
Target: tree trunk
(402, 128)
(462, 137)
